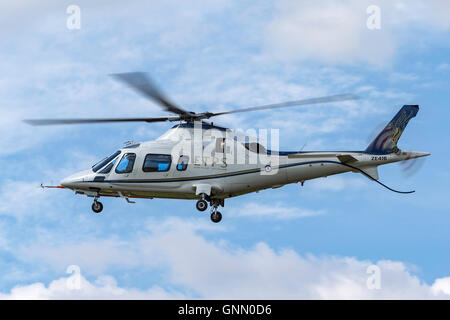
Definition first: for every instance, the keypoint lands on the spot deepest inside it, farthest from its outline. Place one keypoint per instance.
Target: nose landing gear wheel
(201, 205)
(216, 217)
(97, 207)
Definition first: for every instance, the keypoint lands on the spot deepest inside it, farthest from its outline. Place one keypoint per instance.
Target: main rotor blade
(46, 122)
(338, 97)
(141, 83)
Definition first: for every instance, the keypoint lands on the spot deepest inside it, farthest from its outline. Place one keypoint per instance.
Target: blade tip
(30, 122)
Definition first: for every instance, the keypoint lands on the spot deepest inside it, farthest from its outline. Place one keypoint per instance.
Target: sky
(319, 241)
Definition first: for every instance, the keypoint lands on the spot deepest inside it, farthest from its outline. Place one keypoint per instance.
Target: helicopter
(197, 160)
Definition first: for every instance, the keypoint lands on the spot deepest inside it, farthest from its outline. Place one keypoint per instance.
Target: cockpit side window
(103, 162)
(126, 163)
(157, 162)
(182, 163)
(108, 168)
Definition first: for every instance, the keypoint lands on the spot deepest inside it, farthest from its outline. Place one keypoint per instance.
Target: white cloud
(96, 256)
(327, 31)
(20, 198)
(95, 259)
(402, 77)
(336, 32)
(433, 13)
(104, 287)
(17, 198)
(441, 286)
(443, 67)
(221, 270)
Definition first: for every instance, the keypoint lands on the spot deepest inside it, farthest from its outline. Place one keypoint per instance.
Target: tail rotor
(411, 166)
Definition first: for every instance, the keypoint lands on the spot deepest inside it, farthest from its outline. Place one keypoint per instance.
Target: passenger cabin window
(157, 162)
(126, 163)
(182, 163)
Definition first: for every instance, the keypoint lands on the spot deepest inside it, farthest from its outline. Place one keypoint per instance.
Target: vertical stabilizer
(386, 141)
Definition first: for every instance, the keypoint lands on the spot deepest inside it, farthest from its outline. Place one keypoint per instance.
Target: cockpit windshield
(104, 161)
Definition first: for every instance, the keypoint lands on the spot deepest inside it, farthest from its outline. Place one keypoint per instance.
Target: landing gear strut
(202, 205)
(97, 206)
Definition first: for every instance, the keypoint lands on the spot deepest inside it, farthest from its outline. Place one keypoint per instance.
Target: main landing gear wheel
(201, 205)
(97, 206)
(216, 216)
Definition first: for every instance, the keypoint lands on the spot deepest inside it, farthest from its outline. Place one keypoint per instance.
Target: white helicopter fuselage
(218, 171)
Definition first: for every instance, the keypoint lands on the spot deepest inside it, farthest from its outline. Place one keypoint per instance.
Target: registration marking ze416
(379, 158)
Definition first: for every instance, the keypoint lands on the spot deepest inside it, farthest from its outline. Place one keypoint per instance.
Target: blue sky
(314, 241)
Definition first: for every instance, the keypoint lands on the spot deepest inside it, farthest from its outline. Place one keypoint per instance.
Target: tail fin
(386, 141)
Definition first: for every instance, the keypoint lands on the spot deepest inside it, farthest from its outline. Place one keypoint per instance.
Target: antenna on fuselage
(129, 143)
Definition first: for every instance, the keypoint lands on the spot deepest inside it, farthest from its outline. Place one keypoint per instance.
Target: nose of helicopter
(68, 182)
(76, 179)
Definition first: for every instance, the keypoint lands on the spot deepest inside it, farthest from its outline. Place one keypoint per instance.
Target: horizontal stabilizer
(372, 172)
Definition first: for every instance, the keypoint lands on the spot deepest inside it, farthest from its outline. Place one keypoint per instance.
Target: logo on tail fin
(386, 141)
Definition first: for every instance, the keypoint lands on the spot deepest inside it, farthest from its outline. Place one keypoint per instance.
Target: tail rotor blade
(411, 166)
